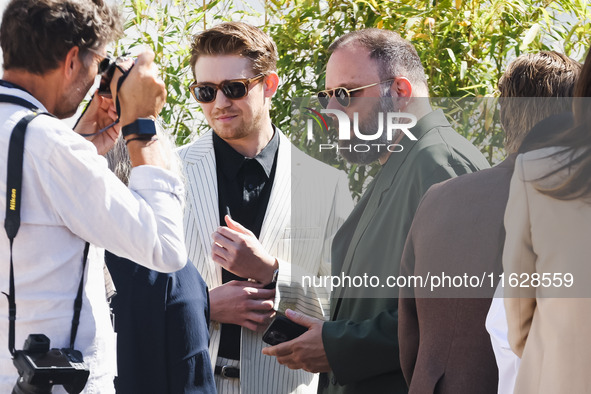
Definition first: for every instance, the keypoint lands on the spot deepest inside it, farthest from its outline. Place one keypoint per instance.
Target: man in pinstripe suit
(251, 212)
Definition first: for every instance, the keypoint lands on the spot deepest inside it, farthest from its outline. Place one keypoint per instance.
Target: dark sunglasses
(234, 89)
(343, 95)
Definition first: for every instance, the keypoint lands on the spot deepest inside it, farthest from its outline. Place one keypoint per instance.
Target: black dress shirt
(244, 188)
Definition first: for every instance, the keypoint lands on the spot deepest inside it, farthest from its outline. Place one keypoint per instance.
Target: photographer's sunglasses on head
(234, 89)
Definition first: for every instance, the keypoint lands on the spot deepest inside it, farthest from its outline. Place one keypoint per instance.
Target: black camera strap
(124, 74)
(14, 179)
(78, 300)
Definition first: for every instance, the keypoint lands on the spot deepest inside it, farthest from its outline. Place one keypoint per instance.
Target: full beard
(368, 126)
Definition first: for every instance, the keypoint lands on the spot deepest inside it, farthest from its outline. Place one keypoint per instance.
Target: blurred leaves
(464, 45)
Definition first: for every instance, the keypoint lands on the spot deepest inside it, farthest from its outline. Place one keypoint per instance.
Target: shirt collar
(12, 85)
(232, 161)
(266, 157)
(428, 122)
(18, 91)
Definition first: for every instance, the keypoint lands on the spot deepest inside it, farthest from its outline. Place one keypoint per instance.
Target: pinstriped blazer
(308, 203)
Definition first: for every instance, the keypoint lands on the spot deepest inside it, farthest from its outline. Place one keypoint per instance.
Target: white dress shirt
(507, 361)
(69, 196)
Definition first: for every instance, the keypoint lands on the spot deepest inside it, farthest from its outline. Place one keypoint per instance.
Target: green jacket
(361, 340)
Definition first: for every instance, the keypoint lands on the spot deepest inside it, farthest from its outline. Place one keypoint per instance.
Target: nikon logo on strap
(13, 200)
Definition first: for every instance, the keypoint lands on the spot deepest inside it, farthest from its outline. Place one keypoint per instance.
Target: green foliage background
(464, 46)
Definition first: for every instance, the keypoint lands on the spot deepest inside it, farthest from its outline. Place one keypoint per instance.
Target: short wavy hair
(533, 87)
(36, 35)
(236, 38)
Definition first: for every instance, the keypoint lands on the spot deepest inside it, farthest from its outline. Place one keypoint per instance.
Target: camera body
(108, 69)
(40, 367)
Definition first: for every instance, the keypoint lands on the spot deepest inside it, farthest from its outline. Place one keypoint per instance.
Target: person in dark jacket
(161, 320)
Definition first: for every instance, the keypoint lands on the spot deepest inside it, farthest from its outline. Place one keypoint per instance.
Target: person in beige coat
(548, 222)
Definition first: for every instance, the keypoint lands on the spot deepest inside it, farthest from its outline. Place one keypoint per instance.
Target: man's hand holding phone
(306, 351)
(282, 330)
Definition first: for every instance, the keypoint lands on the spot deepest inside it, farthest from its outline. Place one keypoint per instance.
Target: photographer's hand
(306, 351)
(244, 303)
(141, 95)
(99, 114)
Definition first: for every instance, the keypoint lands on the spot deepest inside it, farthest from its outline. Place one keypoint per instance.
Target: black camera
(40, 368)
(106, 70)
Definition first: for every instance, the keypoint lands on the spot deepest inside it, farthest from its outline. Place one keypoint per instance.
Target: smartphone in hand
(282, 330)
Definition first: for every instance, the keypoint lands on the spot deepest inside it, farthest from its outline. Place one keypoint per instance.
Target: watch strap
(141, 127)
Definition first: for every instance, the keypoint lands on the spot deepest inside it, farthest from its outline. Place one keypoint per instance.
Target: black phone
(282, 330)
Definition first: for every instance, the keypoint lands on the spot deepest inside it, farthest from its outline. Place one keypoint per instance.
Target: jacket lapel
(202, 179)
(384, 180)
(278, 213)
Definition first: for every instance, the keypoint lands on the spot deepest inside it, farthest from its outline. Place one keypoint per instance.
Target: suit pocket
(305, 256)
(303, 246)
(193, 375)
(301, 233)
(439, 385)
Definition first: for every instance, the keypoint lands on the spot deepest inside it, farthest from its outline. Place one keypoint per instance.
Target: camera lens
(106, 76)
(22, 387)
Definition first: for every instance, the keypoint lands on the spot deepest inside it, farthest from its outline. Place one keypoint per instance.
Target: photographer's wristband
(141, 126)
(144, 138)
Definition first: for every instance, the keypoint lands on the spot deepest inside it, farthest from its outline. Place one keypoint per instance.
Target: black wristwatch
(142, 127)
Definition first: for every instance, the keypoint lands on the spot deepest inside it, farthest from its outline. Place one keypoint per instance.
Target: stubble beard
(242, 130)
(69, 104)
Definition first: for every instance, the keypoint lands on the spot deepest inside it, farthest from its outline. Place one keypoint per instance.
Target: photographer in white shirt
(52, 51)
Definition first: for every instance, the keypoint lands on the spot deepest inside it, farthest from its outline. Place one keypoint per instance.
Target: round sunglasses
(234, 89)
(343, 95)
